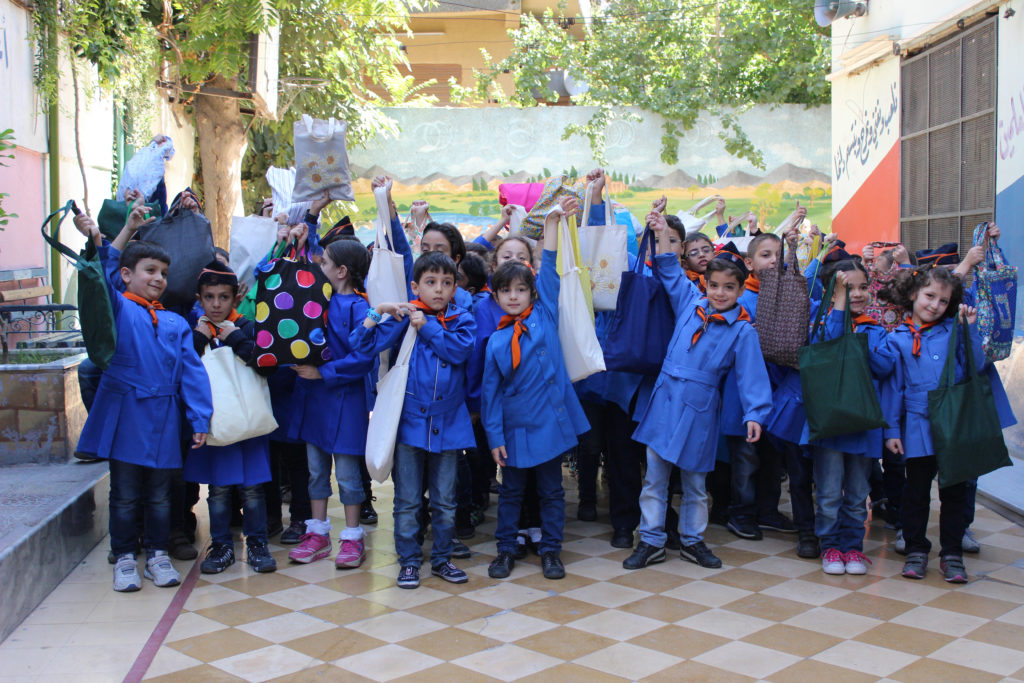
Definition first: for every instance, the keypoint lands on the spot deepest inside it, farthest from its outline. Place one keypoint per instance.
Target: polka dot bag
(292, 296)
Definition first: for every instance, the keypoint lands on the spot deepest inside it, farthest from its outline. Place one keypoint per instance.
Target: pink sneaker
(832, 562)
(311, 547)
(854, 561)
(351, 554)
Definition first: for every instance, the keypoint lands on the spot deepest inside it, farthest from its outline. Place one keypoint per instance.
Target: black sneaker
(293, 534)
(672, 541)
(586, 512)
(409, 577)
(644, 555)
(552, 565)
(220, 557)
(622, 538)
(179, 548)
(698, 553)
(450, 573)
(501, 566)
(522, 546)
(777, 522)
(745, 529)
(259, 557)
(477, 517)
(460, 551)
(367, 515)
(807, 546)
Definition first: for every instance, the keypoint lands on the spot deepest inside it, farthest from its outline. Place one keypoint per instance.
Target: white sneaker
(854, 561)
(969, 543)
(832, 562)
(160, 571)
(899, 545)
(126, 574)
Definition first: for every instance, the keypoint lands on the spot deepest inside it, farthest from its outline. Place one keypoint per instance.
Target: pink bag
(523, 194)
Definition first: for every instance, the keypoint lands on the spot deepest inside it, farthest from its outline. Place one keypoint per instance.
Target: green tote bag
(95, 314)
(114, 214)
(966, 435)
(839, 396)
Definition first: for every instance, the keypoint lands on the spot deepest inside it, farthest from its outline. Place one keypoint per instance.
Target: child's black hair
(717, 265)
(475, 270)
(673, 222)
(908, 282)
(434, 262)
(219, 253)
(756, 242)
(348, 252)
(216, 273)
(834, 267)
(140, 249)
(452, 234)
(478, 249)
(511, 272)
(695, 236)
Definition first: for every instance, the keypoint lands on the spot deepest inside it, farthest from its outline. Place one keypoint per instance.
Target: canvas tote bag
(385, 280)
(241, 399)
(604, 253)
(580, 348)
(382, 433)
(250, 237)
(321, 160)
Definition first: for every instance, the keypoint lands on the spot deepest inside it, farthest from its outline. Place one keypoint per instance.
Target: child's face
(435, 241)
(860, 295)
(931, 301)
(435, 289)
(698, 255)
(217, 301)
(515, 298)
(723, 290)
(337, 275)
(766, 256)
(148, 279)
(511, 250)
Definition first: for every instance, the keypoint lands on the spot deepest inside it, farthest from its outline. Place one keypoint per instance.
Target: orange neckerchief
(697, 279)
(909, 322)
(752, 284)
(232, 317)
(714, 318)
(365, 296)
(441, 317)
(151, 306)
(863, 319)
(517, 332)
(486, 288)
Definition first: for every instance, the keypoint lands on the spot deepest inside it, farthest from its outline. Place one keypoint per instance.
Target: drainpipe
(53, 144)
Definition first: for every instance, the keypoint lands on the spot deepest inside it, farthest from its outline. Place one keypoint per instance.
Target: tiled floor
(766, 615)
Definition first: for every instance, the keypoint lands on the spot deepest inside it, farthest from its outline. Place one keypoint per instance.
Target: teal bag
(114, 214)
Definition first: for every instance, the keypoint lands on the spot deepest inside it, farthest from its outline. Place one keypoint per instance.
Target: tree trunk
(222, 145)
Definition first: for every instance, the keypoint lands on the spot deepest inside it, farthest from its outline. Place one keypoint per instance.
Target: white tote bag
(251, 237)
(385, 280)
(282, 182)
(321, 160)
(382, 433)
(604, 253)
(580, 348)
(691, 221)
(241, 399)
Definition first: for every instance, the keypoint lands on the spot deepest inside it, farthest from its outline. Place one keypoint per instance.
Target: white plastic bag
(146, 169)
(282, 182)
(580, 348)
(382, 433)
(251, 237)
(691, 221)
(604, 253)
(321, 160)
(385, 280)
(241, 399)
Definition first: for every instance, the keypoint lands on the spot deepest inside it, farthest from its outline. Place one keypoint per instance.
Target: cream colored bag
(604, 253)
(691, 221)
(382, 433)
(385, 281)
(241, 399)
(321, 160)
(580, 348)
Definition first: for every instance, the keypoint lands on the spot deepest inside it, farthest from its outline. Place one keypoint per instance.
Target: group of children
(488, 390)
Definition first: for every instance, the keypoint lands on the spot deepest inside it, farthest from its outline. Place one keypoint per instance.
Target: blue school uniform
(434, 414)
(154, 376)
(731, 421)
(332, 413)
(480, 297)
(532, 410)
(463, 299)
(681, 421)
(486, 316)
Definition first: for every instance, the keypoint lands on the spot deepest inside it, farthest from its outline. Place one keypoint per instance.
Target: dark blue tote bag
(642, 324)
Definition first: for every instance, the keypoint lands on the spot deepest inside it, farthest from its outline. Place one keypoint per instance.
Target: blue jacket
(681, 421)
(532, 410)
(154, 376)
(732, 422)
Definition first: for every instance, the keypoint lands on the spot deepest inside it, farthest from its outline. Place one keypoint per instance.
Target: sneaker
(586, 512)
(832, 562)
(450, 573)
(915, 566)
(160, 571)
(899, 545)
(219, 557)
(126, 574)
(953, 569)
(477, 517)
(522, 544)
(645, 554)
(552, 566)
(698, 553)
(969, 544)
(179, 548)
(351, 554)
(807, 545)
(745, 529)
(672, 541)
(258, 555)
(293, 534)
(367, 515)
(501, 566)
(854, 561)
(409, 577)
(777, 522)
(461, 551)
(312, 547)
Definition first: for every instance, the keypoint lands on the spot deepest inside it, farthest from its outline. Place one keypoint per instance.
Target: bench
(40, 322)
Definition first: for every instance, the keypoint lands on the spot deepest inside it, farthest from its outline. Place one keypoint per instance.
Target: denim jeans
(744, 463)
(693, 508)
(346, 470)
(551, 498)
(254, 513)
(842, 481)
(133, 487)
(407, 473)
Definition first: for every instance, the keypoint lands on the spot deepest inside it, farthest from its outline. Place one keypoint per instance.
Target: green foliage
(6, 144)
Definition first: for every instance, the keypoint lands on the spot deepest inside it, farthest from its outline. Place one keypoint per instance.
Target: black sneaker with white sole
(644, 555)
(409, 577)
(745, 529)
(450, 573)
(698, 553)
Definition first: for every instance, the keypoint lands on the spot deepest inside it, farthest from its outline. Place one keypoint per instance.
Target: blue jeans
(346, 470)
(842, 484)
(254, 513)
(407, 473)
(550, 495)
(744, 463)
(134, 487)
(693, 508)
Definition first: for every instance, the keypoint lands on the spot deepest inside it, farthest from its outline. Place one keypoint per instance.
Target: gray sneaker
(969, 543)
(900, 545)
(126, 574)
(160, 571)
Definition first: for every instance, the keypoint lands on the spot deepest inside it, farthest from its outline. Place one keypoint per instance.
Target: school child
(246, 464)
(447, 239)
(473, 276)
(529, 410)
(435, 424)
(155, 378)
(680, 422)
(698, 250)
(331, 412)
(842, 464)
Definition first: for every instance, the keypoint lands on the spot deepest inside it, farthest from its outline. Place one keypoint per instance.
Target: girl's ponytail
(354, 256)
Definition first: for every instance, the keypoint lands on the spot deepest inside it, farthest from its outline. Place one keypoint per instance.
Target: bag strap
(647, 246)
(383, 239)
(54, 242)
(818, 330)
(565, 246)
